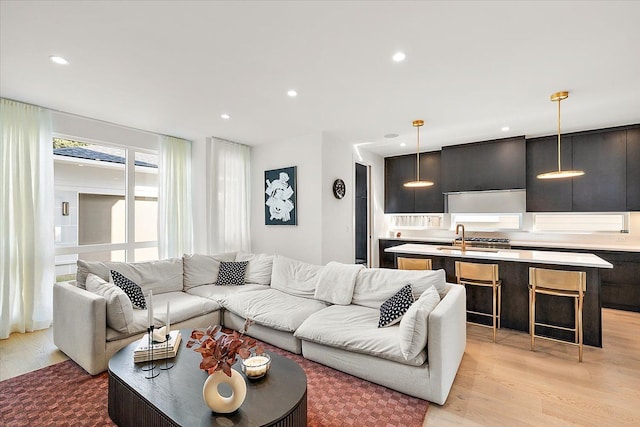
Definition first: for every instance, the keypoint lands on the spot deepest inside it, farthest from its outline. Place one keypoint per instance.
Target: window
(106, 204)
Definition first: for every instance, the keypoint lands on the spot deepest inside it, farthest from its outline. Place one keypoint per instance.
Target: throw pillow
(133, 291)
(119, 307)
(231, 273)
(414, 324)
(392, 310)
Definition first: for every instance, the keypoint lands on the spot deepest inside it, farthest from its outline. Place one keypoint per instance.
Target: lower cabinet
(620, 285)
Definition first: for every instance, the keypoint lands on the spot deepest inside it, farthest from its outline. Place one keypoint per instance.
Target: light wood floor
(502, 384)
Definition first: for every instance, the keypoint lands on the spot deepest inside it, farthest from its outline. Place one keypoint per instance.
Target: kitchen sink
(458, 249)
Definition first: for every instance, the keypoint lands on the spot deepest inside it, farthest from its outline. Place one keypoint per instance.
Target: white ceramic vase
(222, 404)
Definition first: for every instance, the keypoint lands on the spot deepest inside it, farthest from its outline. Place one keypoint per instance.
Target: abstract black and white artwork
(280, 197)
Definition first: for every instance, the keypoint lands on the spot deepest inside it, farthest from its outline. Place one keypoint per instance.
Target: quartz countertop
(621, 247)
(515, 255)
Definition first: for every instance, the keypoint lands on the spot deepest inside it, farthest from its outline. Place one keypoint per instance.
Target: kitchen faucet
(464, 244)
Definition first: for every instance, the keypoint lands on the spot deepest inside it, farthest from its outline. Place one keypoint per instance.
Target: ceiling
(174, 67)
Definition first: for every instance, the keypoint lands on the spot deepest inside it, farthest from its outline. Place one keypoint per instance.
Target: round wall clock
(339, 188)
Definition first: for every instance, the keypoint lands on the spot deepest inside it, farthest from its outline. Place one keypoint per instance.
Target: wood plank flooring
(505, 384)
(501, 384)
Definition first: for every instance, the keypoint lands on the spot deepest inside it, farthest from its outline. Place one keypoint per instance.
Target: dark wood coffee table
(174, 398)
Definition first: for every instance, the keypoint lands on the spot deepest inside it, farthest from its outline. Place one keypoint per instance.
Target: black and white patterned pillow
(392, 310)
(133, 291)
(232, 273)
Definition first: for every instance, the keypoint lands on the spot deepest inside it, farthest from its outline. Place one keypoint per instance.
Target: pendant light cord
(418, 155)
(559, 101)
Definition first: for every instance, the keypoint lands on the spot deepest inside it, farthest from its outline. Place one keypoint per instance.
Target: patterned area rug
(65, 395)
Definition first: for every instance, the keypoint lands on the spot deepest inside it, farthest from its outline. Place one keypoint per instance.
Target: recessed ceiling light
(225, 116)
(391, 135)
(399, 56)
(505, 128)
(292, 93)
(59, 60)
(403, 144)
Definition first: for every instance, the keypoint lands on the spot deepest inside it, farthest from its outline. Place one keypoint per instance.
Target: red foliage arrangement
(220, 350)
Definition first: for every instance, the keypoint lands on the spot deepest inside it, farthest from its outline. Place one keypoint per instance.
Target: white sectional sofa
(328, 313)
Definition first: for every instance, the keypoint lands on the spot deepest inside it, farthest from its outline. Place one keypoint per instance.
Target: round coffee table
(174, 397)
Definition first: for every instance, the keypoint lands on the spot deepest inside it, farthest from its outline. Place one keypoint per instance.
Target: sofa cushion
(295, 277)
(413, 326)
(355, 328)
(392, 310)
(376, 285)
(231, 273)
(259, 268)
(119, 307)
(217, 293)
(272, 308)
(157, 276)
(202, 270)
(130, 288)
(336, 283)
(183, 307)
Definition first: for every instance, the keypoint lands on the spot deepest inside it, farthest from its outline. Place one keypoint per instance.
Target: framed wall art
(280, 197)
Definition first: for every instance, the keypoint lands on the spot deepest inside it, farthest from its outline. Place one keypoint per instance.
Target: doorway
(362, 220)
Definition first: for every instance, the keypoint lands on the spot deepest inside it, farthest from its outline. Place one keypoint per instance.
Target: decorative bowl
(256, 366)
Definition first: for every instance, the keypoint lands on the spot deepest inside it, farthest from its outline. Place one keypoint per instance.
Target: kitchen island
(514, 272)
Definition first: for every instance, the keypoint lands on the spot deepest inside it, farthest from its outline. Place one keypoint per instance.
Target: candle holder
(256, 366)
(151, 366)
(167, 364)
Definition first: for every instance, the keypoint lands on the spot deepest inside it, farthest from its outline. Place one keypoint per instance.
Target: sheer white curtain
(26, 218)
(228, 195)
(175, 212)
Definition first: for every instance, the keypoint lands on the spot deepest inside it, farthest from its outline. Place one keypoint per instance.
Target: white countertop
(535, 243)
(534, 257)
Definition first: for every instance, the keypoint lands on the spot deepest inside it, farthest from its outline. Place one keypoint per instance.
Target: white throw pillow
(119, 306)
(203, 269)
(295, 277)
(259, 268)
(413, 326)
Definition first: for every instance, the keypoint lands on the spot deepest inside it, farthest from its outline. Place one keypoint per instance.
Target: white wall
(325, 230)
(304, 241)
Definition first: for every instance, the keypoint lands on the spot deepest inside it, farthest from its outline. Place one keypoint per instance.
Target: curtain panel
(27, 263)
(228, 196)
(175, 212)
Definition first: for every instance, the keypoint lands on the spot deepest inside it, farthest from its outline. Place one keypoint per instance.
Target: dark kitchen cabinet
(430, 199)
(633, 169)
(400, 199)
(491, 165)
(397, 171)
(548, 195)
(603, 157)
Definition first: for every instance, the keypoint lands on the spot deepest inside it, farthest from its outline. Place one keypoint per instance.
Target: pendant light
(417, 183)
(558, 97)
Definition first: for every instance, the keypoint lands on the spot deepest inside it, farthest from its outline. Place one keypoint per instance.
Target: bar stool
(414, 264)
(484, 275)
(560, 283)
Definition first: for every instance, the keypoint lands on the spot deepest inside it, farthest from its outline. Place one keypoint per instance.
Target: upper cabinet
(548, 195)
(603, 187)
(492, 165)
(609, 159)
(400, 199)
(633, 169)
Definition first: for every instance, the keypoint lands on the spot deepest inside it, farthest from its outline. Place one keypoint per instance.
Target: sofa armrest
(80, 325)
(447, 339)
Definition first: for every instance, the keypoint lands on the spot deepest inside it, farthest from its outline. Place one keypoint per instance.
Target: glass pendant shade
(418, 183)
(557, 97)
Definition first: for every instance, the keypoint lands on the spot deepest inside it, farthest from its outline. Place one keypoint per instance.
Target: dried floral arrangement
(220, 350)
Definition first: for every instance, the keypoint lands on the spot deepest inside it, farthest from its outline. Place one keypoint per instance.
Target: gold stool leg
(499, 305)
(580, 329)
(532, 317)
(493, 313)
